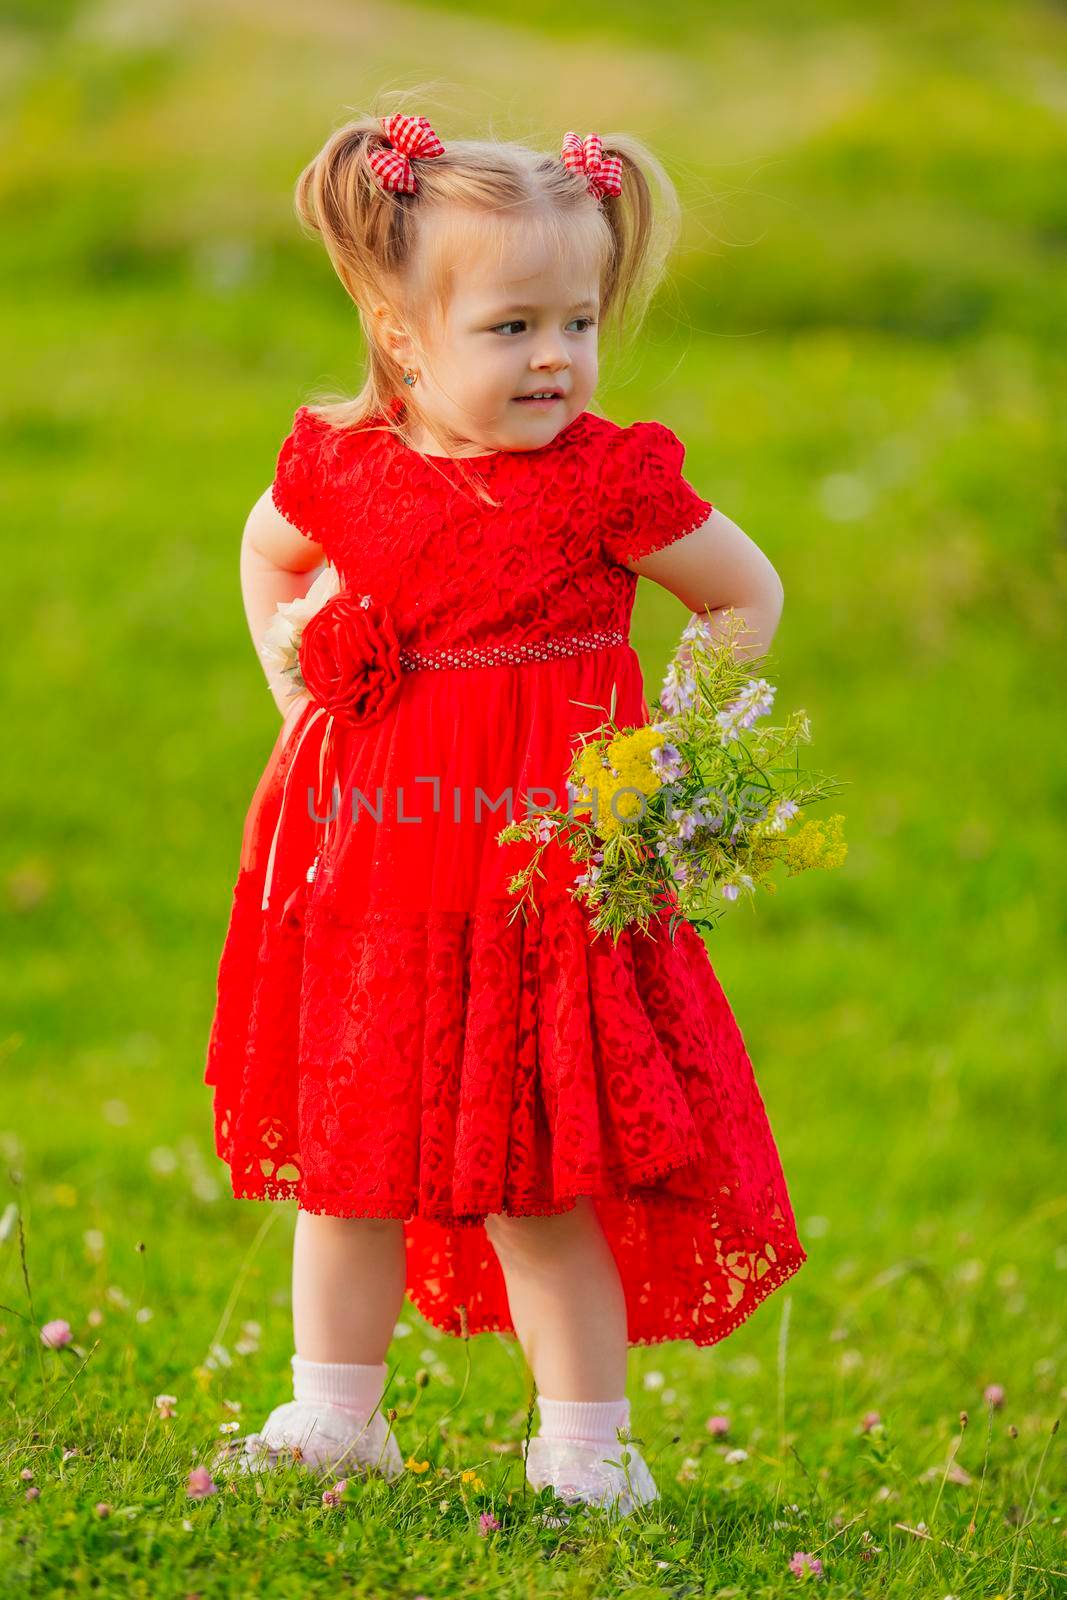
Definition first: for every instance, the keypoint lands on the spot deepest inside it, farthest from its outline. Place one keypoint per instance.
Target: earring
(410, 377)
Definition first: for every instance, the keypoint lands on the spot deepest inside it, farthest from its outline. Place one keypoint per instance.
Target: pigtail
(339, 197)
(643, 214)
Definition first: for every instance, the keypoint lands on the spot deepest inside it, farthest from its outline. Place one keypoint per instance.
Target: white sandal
(585, 1474)
(322, 1437)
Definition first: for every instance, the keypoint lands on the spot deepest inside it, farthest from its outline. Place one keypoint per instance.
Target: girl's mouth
(538, 400)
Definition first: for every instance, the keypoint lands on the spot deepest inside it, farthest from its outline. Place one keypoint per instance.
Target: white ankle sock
(349, 1384)
(589, 1421)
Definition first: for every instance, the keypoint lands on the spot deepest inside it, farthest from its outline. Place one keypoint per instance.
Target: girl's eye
(519, 323)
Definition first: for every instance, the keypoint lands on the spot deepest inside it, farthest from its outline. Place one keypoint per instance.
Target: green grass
(859, 345)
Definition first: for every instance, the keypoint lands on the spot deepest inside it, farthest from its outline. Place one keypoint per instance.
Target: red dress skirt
(392, 1040)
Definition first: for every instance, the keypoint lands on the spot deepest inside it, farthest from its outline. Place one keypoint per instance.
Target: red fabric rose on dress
(350, 658)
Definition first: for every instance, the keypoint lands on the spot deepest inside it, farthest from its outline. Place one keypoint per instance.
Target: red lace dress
(390, 1039)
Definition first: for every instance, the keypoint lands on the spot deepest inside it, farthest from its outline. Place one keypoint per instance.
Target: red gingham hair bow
(408, 136)
(604, 173)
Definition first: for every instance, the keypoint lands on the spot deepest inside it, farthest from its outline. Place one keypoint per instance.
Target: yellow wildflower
(612, 770)
(816, 844)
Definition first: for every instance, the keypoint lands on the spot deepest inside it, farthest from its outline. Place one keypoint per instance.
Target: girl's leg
(566, 1301)
(569, 1311)
(348, 1286)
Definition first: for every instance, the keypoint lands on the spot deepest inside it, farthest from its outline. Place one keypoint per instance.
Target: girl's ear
(393, 339)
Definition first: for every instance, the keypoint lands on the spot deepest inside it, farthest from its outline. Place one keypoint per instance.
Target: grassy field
(861, 343)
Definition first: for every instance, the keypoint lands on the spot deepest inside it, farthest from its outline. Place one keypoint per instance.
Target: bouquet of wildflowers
(693, 810)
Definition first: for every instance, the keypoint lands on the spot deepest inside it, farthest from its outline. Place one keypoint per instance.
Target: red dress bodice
(546, 561)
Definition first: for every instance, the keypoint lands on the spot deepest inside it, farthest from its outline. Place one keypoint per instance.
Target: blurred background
(860, 341)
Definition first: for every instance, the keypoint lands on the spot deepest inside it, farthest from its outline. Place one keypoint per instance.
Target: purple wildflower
(783, 812)
(678, 692)
(755, 700)
(667, 762)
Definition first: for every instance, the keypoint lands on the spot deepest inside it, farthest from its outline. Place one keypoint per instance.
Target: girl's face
(514, 326)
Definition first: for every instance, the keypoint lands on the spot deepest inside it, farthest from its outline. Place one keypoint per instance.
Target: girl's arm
(277, 563)
(718, 566)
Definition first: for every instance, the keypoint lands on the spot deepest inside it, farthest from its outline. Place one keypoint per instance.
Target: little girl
(524, 1127)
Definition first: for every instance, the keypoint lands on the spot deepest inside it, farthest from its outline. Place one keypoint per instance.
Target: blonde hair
(383, 253)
